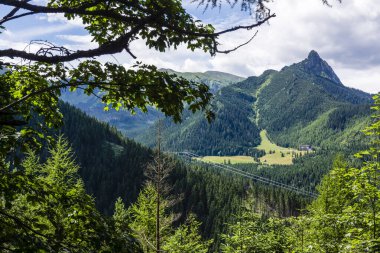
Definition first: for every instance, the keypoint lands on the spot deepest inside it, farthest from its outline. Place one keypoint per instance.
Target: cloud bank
(347, 36)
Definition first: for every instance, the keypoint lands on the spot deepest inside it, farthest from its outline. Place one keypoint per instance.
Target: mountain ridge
(282, 102)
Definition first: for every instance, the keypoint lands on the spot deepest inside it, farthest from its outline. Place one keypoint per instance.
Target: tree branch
(111, 47)
(33, 94)
(6, 19)
(236, 48)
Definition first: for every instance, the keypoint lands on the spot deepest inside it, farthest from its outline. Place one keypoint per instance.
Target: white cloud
(60, 18)
(347, 36)
(367, 79)
(81, 39)
(77, 42)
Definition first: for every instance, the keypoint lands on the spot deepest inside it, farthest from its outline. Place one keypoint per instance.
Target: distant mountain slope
(128, 124)
(214, 79)
(131, 125)
(289, 104)
(299, 96)
(232, 132)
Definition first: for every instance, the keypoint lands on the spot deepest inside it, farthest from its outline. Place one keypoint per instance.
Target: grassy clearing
(227, 159)
(276, 154)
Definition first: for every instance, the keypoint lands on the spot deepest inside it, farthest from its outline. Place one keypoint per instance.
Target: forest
(73, 181)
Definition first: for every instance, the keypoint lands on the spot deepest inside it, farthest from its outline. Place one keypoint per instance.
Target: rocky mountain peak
(314, 64)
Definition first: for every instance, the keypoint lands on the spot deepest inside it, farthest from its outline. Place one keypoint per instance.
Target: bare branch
(236, 48)
(14, 11)
(247, 27)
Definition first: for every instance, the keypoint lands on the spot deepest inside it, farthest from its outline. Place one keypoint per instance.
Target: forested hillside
(112, 166)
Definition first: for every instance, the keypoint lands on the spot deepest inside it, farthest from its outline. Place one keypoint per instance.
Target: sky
(346, 35)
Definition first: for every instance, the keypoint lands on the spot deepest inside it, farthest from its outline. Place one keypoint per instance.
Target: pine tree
(187, 239)
(142, 216)
(51, 211)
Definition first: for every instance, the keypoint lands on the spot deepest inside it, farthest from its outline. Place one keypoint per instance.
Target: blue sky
(347, 36)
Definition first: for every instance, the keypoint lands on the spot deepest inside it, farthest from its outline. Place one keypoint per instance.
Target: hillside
(110, 165)
(130, 125)
(304, 103)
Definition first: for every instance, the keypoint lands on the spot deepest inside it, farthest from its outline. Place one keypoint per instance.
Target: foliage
(186, 238)
(347, 212)
(142, 217)
(33, 88)
(345, 217)
(44, 208)
(253, 233)
(122, 231)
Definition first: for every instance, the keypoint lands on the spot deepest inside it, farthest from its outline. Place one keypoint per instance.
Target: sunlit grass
(228, 159)
(274, 154)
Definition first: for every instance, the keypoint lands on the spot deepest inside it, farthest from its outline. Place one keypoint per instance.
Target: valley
(260, 119)
(119, 134)
(260, 124)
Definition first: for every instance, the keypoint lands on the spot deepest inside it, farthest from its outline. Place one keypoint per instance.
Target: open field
(274, 154)
(228, 159)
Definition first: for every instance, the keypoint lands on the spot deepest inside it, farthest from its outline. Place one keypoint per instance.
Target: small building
(305, 148)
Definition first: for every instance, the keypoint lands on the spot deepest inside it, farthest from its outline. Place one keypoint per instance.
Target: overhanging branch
(117, 45)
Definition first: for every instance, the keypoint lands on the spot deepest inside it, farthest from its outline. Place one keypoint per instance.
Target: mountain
(304, 103)
(132, 125)
(128, 124)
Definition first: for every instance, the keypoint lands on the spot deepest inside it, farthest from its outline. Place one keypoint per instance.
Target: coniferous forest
(100, 155)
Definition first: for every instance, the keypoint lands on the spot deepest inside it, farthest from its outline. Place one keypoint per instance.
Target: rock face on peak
(314, 64)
